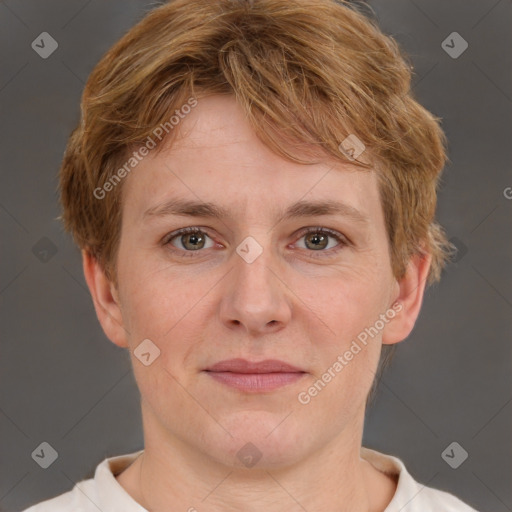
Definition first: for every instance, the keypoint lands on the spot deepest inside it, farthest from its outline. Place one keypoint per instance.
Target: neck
(332, 479)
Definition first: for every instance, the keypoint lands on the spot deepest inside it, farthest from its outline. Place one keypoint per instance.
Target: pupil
(194, 239)
(318, 238)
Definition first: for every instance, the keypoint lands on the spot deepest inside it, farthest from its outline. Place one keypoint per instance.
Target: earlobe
(105, 299)
(409, 298)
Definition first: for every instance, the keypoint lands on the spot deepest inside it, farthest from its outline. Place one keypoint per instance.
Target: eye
(317, 240)
(193, 239)
(189, 239)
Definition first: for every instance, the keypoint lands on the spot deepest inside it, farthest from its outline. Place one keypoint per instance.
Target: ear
(407, 303)
(105, 299)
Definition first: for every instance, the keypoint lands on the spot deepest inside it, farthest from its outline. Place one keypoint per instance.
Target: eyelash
(343, 241)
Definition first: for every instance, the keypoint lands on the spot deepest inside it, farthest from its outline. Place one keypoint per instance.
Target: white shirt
(105, 493)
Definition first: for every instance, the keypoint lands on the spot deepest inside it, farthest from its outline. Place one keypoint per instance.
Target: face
(253, 283)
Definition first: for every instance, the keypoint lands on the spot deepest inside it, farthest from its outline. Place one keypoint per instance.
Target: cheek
(348, 361)
(347, 325)
(169, 319)
(346, 301)
(165, 307)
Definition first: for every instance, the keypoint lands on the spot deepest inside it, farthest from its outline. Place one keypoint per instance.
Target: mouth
(254, 377)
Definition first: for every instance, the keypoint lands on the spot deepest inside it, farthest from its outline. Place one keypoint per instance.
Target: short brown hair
(308, 74)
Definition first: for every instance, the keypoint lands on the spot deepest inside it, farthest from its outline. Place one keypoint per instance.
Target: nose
(255, 297)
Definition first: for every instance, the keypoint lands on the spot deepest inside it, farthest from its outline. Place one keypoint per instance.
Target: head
(253, 107)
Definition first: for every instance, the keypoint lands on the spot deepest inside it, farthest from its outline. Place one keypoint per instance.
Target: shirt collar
(407, 488)
(111, 494)
(114, 498)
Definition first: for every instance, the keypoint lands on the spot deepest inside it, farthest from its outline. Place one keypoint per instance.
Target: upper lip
(244, 366)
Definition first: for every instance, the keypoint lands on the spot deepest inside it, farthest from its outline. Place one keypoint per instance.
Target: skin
(294, 303)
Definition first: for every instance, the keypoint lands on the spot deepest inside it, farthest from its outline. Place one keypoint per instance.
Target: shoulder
(410, 495)
(103, 492)
(430, 499)
(79, 499)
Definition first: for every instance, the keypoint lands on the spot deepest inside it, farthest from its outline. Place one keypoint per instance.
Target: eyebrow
(190, 208)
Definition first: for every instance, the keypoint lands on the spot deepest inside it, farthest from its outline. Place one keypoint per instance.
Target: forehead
(215, 156)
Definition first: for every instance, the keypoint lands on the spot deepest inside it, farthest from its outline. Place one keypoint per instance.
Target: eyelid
(320, 229)
(342, 240)
(183, 231)
(166, 241)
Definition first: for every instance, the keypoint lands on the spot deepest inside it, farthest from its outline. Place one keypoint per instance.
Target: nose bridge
(253, 267)
(255, 297)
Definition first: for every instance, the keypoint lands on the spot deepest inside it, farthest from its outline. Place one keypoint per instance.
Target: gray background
(64, 383)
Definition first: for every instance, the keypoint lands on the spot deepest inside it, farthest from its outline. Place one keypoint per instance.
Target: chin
(261, 440)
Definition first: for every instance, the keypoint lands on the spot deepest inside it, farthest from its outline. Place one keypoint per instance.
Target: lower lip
(256, 382)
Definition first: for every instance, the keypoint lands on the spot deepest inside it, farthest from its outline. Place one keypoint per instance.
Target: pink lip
(244, 366)
(255, 377)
